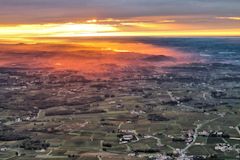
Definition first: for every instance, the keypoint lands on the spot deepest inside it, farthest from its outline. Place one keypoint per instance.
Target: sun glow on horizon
(140, 26)
(54, 30)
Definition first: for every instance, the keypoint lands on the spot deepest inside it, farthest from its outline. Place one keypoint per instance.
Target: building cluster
(126, 136)
(224, 147)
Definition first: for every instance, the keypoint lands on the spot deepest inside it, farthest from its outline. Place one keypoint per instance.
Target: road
(101, 145)
(128, 148)
(205, 95)
(178, 102)
(99, 157)
(40, 114)
(120, 124)
(199, 126)
(171, 96)
(49, 156)
(159, 143)
(136, 135)
(237, 129)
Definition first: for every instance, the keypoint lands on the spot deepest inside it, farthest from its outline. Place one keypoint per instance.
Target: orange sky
(137, 26)
(22, 20)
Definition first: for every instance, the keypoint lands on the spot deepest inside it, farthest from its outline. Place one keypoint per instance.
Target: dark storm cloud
(40, 11)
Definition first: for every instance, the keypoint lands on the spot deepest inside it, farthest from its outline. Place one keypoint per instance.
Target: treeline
(12, 136)
(34, 144)
(71, 112)
(151, 150)
(157, 117)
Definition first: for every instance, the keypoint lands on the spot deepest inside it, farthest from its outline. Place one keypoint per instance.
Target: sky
(73, 18)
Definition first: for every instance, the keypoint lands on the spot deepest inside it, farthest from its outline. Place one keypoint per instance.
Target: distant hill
(158, 58)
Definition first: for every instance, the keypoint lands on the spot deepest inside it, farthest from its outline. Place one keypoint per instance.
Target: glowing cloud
(54, 30)
(230, 18)
(137, 26)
